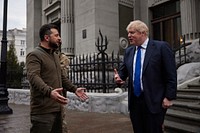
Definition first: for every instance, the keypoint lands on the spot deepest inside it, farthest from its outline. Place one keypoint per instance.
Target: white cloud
(16, 14)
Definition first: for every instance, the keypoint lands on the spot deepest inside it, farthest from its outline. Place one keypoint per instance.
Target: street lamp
(4, 109)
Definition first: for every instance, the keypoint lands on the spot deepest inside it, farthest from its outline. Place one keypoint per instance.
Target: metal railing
(95, 71)
(181, 53)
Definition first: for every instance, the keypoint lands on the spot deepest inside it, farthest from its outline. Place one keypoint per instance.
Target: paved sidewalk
(79, 122)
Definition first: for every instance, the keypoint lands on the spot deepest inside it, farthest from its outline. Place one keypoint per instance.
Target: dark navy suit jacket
(159, 75)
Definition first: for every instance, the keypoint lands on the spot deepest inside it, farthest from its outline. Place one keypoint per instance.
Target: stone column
(190, 18)
(141, 11)
(34, 21)
(67, 26)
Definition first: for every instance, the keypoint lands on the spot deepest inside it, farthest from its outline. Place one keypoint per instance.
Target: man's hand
(166, 103)
(80, 92)
(55, 94)
(118, 80)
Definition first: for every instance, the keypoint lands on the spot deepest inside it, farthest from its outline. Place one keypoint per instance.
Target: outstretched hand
(56, 95)
(80, 92)
(118, 80)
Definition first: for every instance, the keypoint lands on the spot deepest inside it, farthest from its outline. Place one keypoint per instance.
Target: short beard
(53, 45)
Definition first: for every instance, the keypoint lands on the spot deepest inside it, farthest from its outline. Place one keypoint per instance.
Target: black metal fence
(14, 77)
(181, 52)
(95, 71)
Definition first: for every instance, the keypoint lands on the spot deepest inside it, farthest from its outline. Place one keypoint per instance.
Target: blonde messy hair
(138, 26)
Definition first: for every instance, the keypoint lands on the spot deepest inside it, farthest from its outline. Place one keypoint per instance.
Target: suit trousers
(46, 123)
(143, 121)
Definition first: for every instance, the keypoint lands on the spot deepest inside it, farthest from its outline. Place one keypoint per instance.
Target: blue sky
(16, 17)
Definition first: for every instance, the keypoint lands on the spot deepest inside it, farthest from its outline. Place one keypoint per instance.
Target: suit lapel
(130, 58)
(149, 51)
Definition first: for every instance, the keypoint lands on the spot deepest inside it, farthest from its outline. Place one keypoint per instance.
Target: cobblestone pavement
(78, 121)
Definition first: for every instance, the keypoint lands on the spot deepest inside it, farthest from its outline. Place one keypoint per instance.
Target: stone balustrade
(97, 102)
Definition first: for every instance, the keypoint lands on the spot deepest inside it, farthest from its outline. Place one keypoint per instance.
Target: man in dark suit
(152, 84)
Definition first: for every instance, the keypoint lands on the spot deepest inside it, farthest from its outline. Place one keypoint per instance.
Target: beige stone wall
(92, 15)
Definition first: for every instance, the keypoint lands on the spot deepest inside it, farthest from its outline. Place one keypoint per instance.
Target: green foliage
(14, 68)
(11, 55)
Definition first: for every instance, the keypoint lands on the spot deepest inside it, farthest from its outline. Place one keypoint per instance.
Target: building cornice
(128, 3)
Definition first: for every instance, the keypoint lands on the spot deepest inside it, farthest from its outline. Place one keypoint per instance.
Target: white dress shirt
(143, 51)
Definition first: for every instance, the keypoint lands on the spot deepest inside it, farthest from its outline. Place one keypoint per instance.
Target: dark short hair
(46, 30)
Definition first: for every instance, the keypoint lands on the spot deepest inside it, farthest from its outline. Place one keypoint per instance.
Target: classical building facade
(18, 38)
(81, 20)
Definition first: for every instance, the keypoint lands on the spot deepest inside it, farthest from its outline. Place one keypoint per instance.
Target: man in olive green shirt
(47, 83)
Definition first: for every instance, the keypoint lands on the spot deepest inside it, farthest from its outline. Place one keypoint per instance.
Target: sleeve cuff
(49, 92)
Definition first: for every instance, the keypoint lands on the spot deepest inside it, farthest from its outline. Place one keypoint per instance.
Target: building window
(22, 42)
(166, 23)
(84, 34)
(22, 52)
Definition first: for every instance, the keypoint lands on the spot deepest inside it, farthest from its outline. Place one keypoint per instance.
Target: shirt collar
(144, 45)
(50, 51)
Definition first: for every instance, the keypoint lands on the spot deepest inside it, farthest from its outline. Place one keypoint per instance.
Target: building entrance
(166, 23)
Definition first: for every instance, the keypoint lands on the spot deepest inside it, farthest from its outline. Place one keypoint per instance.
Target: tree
(14, 68)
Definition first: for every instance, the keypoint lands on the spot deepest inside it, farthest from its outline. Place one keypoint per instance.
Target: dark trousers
(46, 123)
(143, 121)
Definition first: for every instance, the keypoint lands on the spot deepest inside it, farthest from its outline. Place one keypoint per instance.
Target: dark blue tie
(136, 83)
